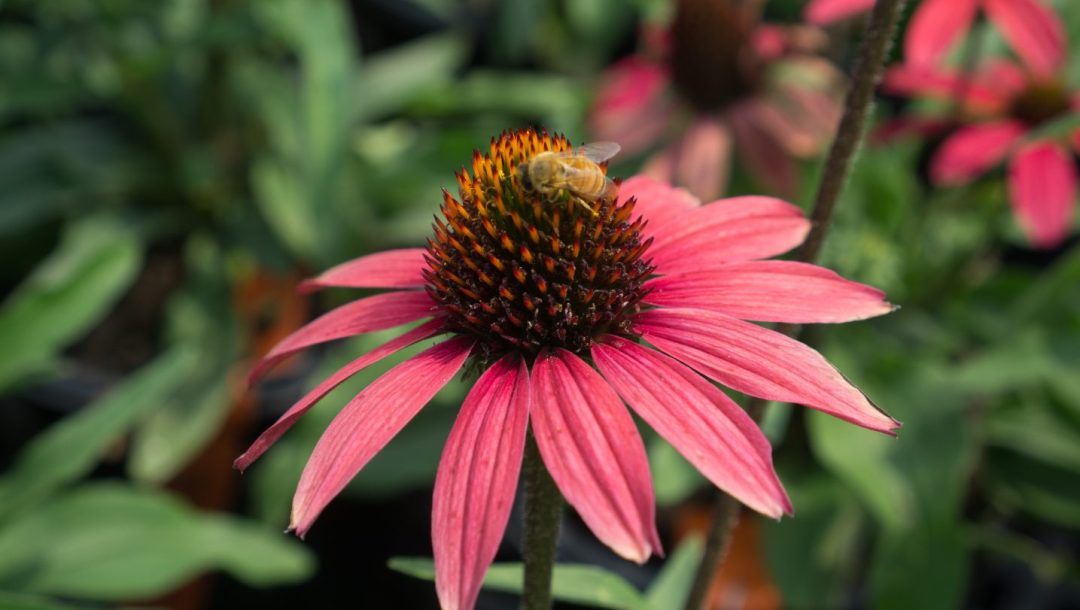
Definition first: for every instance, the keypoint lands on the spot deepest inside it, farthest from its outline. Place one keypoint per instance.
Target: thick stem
(873, 50)
(543, 511)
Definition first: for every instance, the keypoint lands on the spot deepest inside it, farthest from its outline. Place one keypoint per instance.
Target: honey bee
(577, 171)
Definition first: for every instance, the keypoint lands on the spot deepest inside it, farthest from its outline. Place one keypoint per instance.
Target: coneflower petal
(592, 449)
(935, 26)
(658, 203)
(476, 481)
(705, 158)
(390, 269)
(368, 422)
(1042, 190)
(729, 230)
(1033, 30)
(770, 291)
(760, 151)
(974, 150)
(703, 424)
(295, 412)
(913, 80)
(759, 362)
(366, 315)
(825, 12)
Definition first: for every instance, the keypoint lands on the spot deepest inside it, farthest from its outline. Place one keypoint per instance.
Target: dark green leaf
(392, 78)
(580, 584)
(73, 446)
(65, 296)
(672, 585)
(112, 542)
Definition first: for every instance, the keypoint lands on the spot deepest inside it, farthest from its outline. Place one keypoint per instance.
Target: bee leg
(586, 205)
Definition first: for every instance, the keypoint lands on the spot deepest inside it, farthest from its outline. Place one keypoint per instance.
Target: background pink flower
(720, 81)
(1003, 109)
(1031, 28)
(529, 292)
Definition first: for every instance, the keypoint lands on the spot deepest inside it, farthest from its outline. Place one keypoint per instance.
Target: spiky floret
(521, 271)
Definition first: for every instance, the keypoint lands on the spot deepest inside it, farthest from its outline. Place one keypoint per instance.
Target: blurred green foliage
(232, 140)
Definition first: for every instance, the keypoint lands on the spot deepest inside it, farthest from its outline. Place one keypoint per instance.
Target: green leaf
(180, 427)
(924, 566)
(200, 317)
(113, 542)
(391, 78)
(575, 583)
(1033, 430)
(65, 296)
(20, 601)
(810, 556)
(674, 479)
(1021, 483)
(861, 459)
(1022, 360)
(281, 196)
(925, 563)
(555, 101)
(672, 585)
(71, 448)
(1051, 567)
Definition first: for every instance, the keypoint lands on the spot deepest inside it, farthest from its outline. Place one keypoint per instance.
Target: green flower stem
(873, 51)
(543, 511)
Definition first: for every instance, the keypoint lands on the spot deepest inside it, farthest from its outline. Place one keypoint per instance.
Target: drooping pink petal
(365, 315)
(658, 202)
(660, 166)
(974, 150)
(389, 269)
(630, 108)
(1033, 30)
(703, 424)
(772, 167)
(924, 81)
(935, 26)
(797, 136)
(770, 291)
(825, 12)
(593, 450)
(1042, 189)
(368, 423)
(729, 230)
(759, 362)
(704, 158)
(476, 481)
(817, 108)
(295, 412)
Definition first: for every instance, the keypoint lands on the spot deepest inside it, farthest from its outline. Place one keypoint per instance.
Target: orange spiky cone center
(522, 271)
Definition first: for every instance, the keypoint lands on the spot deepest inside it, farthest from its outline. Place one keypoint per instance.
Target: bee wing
(597, 152)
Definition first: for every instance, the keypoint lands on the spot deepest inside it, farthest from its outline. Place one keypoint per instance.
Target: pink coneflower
(737, 84)
(1003, 111)
(1031, 28)
(554, 304)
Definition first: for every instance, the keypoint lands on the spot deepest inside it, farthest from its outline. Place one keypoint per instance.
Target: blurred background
(170, 170)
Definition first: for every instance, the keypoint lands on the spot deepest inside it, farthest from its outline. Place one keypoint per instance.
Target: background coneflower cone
(713, 61)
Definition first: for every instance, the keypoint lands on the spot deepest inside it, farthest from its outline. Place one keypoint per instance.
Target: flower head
(1031, 28)
(1003, 111)
(717, 79)
(555, 301)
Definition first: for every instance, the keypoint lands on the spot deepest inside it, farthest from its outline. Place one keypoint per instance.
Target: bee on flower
(572, 313)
